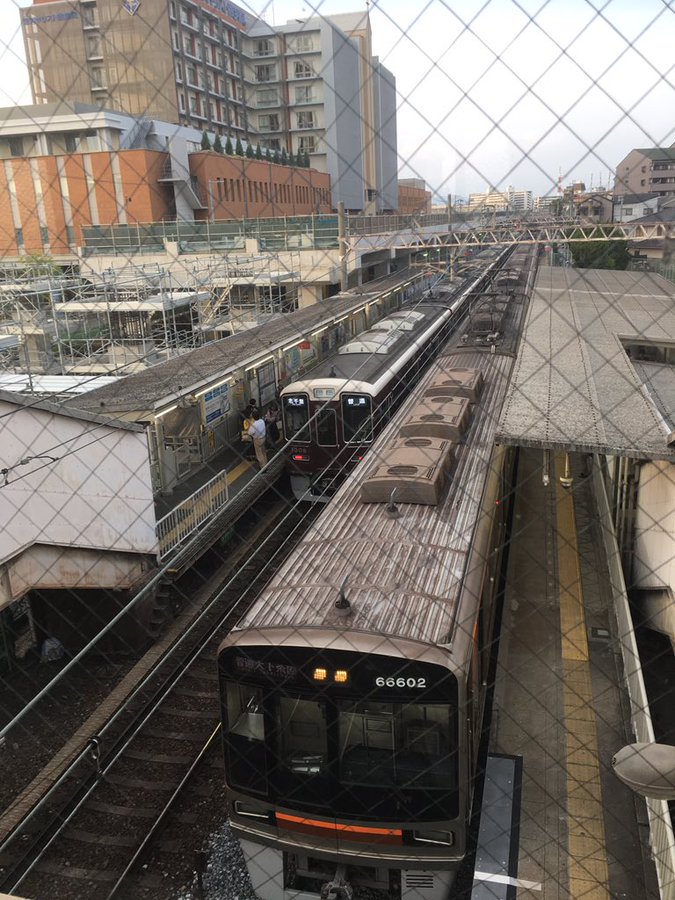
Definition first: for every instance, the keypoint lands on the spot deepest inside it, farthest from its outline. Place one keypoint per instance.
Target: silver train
(353, 691)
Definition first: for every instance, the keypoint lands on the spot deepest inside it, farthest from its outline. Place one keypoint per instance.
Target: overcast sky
(500, 92)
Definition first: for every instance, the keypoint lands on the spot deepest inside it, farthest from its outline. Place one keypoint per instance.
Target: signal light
(341, 676)
(320, 674)
(300, 457)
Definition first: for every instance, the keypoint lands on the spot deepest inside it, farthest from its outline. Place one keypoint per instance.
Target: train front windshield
(357, 418)
(310, 739)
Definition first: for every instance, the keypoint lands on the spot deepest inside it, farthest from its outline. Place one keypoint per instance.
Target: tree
(292, 160)
(249, 151)
(277, 157)
(284, 157)
(268, 155)
(206, 143)
(258, 152)
(600, 254)
(218, 144)
(39, 264)
(239, 149)
(229, 149)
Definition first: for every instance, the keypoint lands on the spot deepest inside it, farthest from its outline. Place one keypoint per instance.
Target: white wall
(97, 494)
(655, 526)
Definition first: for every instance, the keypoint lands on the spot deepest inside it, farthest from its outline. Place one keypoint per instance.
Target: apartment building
(510, 200)
(65, 167)
(311, 85)
(650, 170)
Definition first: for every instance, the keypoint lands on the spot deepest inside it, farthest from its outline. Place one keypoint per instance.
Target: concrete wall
(386, 146)
(343, 136)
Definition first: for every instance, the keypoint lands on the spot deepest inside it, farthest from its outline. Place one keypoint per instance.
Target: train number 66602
(400, 682)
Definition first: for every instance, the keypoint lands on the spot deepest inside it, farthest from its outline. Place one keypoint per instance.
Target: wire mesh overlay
(130, 249)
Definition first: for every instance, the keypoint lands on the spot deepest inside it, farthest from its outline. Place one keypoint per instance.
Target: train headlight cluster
(340, 676)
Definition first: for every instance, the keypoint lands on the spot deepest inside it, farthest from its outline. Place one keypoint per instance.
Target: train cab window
(402, 745)
(295, 409)
(245, 737)
(302, 773)
(357, 423)
(326, 428)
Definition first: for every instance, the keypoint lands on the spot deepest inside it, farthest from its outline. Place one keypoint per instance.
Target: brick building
(62, 168)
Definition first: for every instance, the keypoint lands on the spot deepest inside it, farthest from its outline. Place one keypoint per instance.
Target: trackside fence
(660, 823)
(186, 518)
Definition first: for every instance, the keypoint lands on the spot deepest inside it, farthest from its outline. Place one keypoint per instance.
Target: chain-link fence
(336, 395)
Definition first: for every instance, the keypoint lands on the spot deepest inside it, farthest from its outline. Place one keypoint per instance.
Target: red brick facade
(55, 196)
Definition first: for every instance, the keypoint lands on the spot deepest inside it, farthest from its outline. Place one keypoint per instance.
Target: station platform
(556, 822)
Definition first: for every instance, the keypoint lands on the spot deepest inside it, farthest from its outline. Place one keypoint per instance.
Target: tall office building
(310, 85)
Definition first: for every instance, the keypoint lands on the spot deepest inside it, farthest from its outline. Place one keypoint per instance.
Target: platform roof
(594, 371)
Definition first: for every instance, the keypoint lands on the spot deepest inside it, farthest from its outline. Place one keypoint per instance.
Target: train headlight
(320, 674)
(447, 838)
(341, 676)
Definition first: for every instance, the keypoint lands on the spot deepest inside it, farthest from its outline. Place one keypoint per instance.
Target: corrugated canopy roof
(577, 384)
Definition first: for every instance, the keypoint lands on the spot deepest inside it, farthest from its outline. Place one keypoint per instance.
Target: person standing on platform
(257, 431)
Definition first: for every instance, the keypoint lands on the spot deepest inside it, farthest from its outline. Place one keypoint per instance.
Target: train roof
(372, 353)
(404, 574)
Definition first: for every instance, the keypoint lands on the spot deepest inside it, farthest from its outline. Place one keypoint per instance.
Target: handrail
(185, 518)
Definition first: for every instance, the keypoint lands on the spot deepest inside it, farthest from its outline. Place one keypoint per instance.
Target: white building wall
(655, 526)
(73, 483)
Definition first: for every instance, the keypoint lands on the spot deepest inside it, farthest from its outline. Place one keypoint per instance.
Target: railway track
(88, 830)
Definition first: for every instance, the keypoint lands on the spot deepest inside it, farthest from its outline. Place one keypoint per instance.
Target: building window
(628, 210)
(179, 70)
(176, 40)
(304, 94)
(44, 235)
(18, 233)
(268, 122)
(263, 47)
(265, 73)
(97, 77)
(93, 45)
(89, 16)
(70, 143)
(302, 70)
(267, 98)
(172, 9)
(305, 119)
(192, 76)
(303, 43)
(16, 146)
(186, 16)
(181, 101)
(307, 144)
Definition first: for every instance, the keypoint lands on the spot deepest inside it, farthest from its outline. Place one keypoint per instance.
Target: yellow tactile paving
(587, 856)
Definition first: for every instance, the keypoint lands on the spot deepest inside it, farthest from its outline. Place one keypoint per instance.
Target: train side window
(357, 422)
(326, 428)
(295, 409)
(245, 737)
(302, 726)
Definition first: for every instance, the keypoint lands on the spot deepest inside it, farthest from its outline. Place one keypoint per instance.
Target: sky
(493, 93)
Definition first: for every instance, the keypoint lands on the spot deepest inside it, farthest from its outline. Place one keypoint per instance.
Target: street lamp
(648, 769)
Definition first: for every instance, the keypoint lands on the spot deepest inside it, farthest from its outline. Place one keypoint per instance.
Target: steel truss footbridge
(460, 237)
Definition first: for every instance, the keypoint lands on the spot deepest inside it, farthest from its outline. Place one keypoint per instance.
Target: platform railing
(662, 838)
(192, 512)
